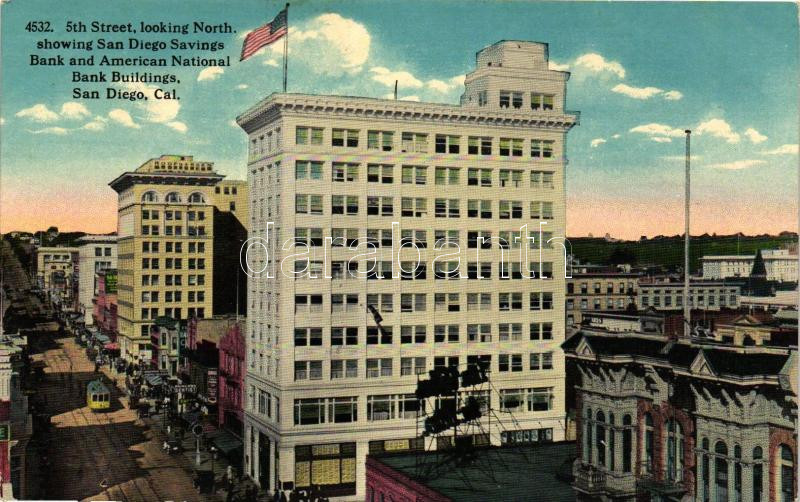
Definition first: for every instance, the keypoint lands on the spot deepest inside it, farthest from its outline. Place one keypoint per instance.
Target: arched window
(787, 474)
(737, 473)
(627, 443)
(648, 443)
(600, 439)
(758, 474)
(173, 197)
(197, 198)
(588, 434)
(706, 471)
(612, 443)
(150, 196)
(674, 450)
(721, 468)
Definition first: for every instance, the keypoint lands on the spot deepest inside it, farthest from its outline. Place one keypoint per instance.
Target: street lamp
(166, 409)
(213, 451)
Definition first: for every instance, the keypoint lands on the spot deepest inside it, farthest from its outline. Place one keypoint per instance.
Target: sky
(641, 73)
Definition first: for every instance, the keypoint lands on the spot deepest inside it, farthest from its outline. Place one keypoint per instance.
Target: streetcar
(98, 397)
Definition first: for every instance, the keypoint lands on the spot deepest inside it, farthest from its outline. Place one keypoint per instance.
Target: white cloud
(782, 150)
(661, 139)
(446, 86)
(122, 117)
(655, 129)
(96, 124)
(754, 136)
(597, 64)
(178, 126)
(38, 113)
(719, 129)
(387, 77)
(558, 66)
(58, 131)
(210, 73)
(673, 95)
(159, 111)
(271, 62)
(681, 158)
(616, 136)
(74, 111)
(242, 87)
(409, 98)
(2, 121)
(233, 123)
(597, 142)
(738, 164)
(636, 92)
(328, 44)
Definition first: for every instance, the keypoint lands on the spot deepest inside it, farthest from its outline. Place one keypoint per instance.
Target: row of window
(173, 312)
(622, 288)
(514, 99)
(348, 172)
(384, 407)
(98, 251)
(173, 215)
(177, 230)
(173, 296)
(418, 302)
(701, 300)
(349, 237)
(418, 334)
(417, 207)
(172, 247)
(173, 279)
(419, 142)
(174, 263)
(173, 197)
(408, 270)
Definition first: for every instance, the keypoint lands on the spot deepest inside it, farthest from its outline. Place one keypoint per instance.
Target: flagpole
(286, 50)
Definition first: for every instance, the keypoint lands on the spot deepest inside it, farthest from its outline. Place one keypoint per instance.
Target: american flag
(265, 35)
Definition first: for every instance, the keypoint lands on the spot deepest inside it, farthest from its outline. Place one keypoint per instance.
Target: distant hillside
(668, 251)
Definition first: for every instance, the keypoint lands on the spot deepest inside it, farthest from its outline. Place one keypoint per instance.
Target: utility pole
(687, 310)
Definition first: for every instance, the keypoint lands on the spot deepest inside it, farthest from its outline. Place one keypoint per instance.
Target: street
(96, 455)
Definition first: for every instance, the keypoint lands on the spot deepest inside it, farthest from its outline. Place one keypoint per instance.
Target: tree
(622, 255)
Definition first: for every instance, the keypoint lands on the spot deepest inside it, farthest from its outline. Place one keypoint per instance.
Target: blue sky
(641, 73)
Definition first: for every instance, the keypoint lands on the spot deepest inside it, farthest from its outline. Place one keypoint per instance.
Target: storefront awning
(226, 442)
(111, 346)
(101, 338)
(153, 380)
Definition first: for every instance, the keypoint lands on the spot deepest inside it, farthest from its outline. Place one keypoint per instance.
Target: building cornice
(372, 108)
(128, 179)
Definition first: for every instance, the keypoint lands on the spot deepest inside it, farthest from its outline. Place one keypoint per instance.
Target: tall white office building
(325, 386)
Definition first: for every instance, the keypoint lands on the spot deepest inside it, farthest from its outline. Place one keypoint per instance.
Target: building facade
(665, 419)
(96, 253)
(704, 295)
(781, 265)
(323, 379)
(55, 272)
(599, 291)
(105, 303)
(230, 410)
(165, 231)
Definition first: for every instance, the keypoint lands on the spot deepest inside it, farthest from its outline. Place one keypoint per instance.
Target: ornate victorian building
(666, 419)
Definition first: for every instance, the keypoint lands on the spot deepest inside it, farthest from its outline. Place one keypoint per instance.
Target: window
(380, 206)
(344, 172)
(344, 336)
(445, 333)
(414, 175)
(479, 333)
(308, 204)
(308, 135)
(414, 302)
(541, 301)
(379, 367)
(345, 137)
(600, 438)
(447, 176)
(758, 474)
(415, 142)
(344, 204)
(380, 140)
(509, 362)
(786, 484)
(510, 209)
(307, 370)
(541, 210)
(627, 438)
(479, 177)
(447, 144)
(307, 337)
(505, 99)
(381, 302)
(647, 446)
(344, 368)
(379, 336)
(721, 468)
(541, 101)
(478, 145)
(674, 447)
(510, 178)
(479, 301)
(510, 147)
(390, 407)
(413, 207)
(325, 410)
(308, 170)
(542, 148)
(379, 173)
(344, 302)
(412, 366)
(483, 98)
(447, 208)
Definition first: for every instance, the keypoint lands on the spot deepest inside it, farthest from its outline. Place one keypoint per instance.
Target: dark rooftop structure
(540, 472)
